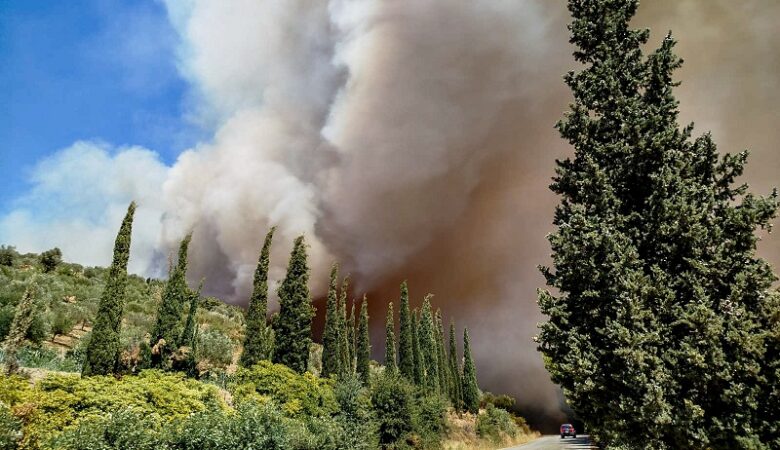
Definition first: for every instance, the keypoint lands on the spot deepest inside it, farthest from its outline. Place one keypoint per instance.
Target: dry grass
(462, 435)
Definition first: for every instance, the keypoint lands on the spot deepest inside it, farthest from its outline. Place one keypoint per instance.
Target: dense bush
(10, 428)
(7, 255)
(495, 424)
(393, 400)
(50, 259)
(214, 349)
(356, 416)
(298, 394)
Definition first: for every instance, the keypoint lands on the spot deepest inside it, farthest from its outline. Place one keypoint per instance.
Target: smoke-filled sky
(407, 139)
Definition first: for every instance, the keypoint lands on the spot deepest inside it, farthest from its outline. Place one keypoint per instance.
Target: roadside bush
(298, 395)
(393, 400)
(495, 424)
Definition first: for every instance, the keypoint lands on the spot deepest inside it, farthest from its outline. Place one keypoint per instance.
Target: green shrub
(7, 255)
(502, 401)
(214, 348)
(430, 422)
(50, 259)
(393, 400)
(495, 423)
(62, 321)
(10, 429)
(356, 416)
(120, 430)
(298, 395)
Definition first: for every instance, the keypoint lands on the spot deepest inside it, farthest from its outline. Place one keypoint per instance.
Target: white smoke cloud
(79, 196)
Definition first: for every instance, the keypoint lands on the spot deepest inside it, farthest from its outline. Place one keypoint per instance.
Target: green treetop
(292, 328)
(405, 340)
(658, 321)
(103, 347)
(470, 387)
(363, 344)
(331, 335)
(390, 364)
(257, 345)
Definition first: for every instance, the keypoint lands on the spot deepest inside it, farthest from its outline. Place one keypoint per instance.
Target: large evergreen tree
(259, 336)
(343, 352)
(363, 344)
(390, 364)
(351, 338)
(470, 387)
(188, 334)
(168, 327)
(456, 393)
(657, 329)
(430, 354)
(405, 339)
(331, 334)
(23, 318)
(441, 356)
(419, 368)
(292, 329)
(103, 347)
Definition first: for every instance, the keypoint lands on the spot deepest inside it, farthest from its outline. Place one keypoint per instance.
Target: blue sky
(102, 70)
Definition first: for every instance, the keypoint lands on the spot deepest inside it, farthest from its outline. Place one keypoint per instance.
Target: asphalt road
(556, 443)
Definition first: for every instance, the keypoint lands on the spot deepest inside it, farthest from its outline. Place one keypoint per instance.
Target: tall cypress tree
(456, 394)
(469, 381)
(343, 353)
(188, 335)
(23, 318)
(331, 335)
(103, 347)
(256, 340)
(390, 364)
(363, 344)
(351, 338)
(405, 340)
(168, 327)
(419, 366)
(292, 329)
(444, 372)
(657, 328)
(430, 356)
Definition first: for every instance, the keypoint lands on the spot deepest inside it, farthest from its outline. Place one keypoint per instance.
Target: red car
(568, 430)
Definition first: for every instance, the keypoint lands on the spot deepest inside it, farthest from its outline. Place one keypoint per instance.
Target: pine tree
(256, 341)
(456, 394)
(345, 363)
(363, 344)
(103, 347)
(470, 387)
(351, 338)
(441, 358)
(430, 356)
(293, 328)
(657, 329)
(390, 364)
(23, 318)
(168, 327)
(405, 339)
(331, 335)
(419, 367)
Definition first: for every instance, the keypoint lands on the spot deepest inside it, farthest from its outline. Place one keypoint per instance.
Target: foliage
(469, 383)
(214, 348)
(7, 255)
(502, 401)
(298, 395)
(417, 359)
(331, 335)
(406, 362)
(345, 361)
(445, 379)
(356, 415)
(495, 423)
(292, 329)
(363, 344)
(62, 321)
(390, 364)
(10, 428)
(168, 327)
(258, 340)
(393, 399)
(456, 394)
(428, 347)
(19, 327)
(659, 323)
(50, 259)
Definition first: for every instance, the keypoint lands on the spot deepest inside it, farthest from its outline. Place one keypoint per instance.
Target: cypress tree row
(470, 386)
(292, 329)
(441, 362)
(430, 354)
(258, 338)
(168, 327)
(20, 324)
(390, 364)
(345, 363)
(363, 344)
(103, 347)
(405, 338)
(663, 323)
(419, 367)
(331, 334)
(456, 394)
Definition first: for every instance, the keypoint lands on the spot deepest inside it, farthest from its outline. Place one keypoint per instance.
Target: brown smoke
(414, 140)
